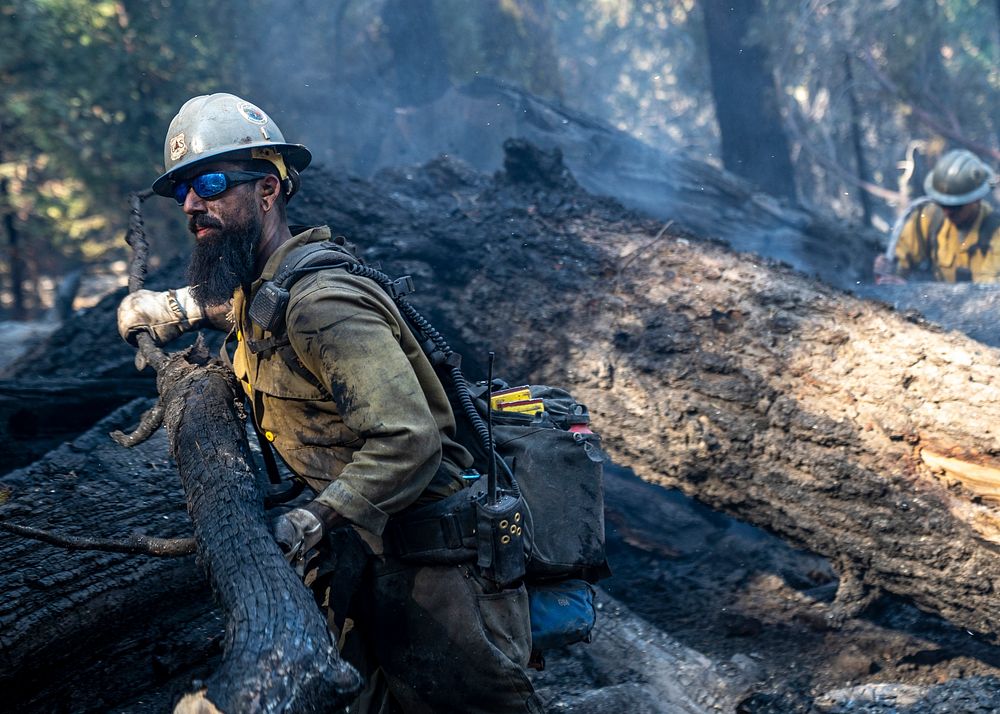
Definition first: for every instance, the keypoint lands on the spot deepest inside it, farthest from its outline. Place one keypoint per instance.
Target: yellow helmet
(211, 127)
(958, 178)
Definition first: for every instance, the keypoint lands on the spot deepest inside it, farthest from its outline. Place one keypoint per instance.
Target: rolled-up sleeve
(348, 337)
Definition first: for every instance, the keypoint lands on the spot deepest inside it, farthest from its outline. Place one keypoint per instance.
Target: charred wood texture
(836, 423)
(843, 426)
(86, 630)
(36, 414)
(279, 654)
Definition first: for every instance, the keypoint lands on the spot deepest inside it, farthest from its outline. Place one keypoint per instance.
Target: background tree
(86, 87)
(861, 89)
(750, 126)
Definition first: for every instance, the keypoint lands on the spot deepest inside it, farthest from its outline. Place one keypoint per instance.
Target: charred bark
(279, 655)
(36, 415)
(87, 631)
(847, 428)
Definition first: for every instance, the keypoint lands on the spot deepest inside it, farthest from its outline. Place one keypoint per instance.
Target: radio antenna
(491, 464)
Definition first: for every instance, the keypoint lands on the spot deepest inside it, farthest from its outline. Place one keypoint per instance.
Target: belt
(429, 532)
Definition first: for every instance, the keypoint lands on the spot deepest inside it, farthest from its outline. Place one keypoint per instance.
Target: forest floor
(743, 597)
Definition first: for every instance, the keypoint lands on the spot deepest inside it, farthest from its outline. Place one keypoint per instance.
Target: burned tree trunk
(834, 422)
(279, 655)
(71, 620)
(754, 144)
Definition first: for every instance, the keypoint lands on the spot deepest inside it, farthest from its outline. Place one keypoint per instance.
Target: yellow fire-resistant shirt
(955, 255)
(352, 404)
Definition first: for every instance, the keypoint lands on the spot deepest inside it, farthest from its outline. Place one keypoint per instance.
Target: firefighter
(350, 402)
(953, 235)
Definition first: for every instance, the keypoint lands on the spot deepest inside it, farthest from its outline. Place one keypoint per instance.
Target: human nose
(193, 203)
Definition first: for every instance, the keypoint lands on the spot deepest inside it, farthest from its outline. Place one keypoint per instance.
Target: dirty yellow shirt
(956, 249)
(352, 404)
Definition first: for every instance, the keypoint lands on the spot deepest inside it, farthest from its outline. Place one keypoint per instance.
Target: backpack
(533, 509)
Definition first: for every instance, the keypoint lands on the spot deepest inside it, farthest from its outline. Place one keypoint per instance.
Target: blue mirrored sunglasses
(209, 185)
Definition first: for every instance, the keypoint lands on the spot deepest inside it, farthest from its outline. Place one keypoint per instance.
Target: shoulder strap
(931, 239)
(987, 228)
(267, 309)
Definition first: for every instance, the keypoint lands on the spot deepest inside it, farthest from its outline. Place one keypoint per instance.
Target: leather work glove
(164, 315)
(300, 529)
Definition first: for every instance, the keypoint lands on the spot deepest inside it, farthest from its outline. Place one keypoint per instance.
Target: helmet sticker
(178, 146)
(252, 113)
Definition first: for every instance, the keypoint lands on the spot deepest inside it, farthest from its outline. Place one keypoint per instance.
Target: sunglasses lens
(208, 185)
(181, 191)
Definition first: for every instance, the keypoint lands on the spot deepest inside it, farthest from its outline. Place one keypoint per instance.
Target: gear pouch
(562, 613)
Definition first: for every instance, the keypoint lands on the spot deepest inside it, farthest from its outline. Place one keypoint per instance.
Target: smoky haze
(370, 85)
(623, 89)
(373, 85)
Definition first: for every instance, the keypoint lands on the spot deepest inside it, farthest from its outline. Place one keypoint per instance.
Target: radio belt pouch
(559, 467)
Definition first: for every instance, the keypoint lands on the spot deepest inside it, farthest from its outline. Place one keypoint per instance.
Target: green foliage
(926, 76)
(89, 87)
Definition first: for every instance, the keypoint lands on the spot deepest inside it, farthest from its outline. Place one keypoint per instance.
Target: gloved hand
(300, 529)
(885, 272)
(164, 315)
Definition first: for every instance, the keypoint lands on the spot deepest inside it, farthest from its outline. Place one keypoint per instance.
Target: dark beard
(224, 259)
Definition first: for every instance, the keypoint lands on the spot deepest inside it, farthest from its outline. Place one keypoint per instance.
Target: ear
(269, 190)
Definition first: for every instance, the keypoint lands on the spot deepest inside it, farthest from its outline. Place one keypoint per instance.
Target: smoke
(376, 84)
(624, 93)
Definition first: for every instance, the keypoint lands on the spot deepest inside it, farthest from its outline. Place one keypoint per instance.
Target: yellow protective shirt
(352, 404)
(954, 254)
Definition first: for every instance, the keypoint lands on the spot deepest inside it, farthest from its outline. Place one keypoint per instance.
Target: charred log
(67, 615)
(837, 423)
(36, 415)
(279, 655)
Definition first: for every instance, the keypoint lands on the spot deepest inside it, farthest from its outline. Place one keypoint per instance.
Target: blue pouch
(561, 613)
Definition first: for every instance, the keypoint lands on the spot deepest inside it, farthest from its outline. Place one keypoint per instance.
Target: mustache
(198, 222)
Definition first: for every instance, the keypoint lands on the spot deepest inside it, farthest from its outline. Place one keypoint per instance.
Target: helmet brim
(945, 199)
(296, 155)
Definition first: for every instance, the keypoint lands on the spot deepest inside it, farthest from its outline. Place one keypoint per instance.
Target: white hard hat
(211, 127)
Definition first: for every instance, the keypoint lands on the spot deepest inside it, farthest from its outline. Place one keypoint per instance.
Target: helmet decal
(252, 113)
(178, 146)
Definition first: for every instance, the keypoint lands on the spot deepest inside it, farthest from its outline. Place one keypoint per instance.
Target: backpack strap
(987, 228)
(930, 240)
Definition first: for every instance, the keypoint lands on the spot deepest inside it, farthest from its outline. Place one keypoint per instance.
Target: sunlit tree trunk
(13, 253)
(754, 144)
